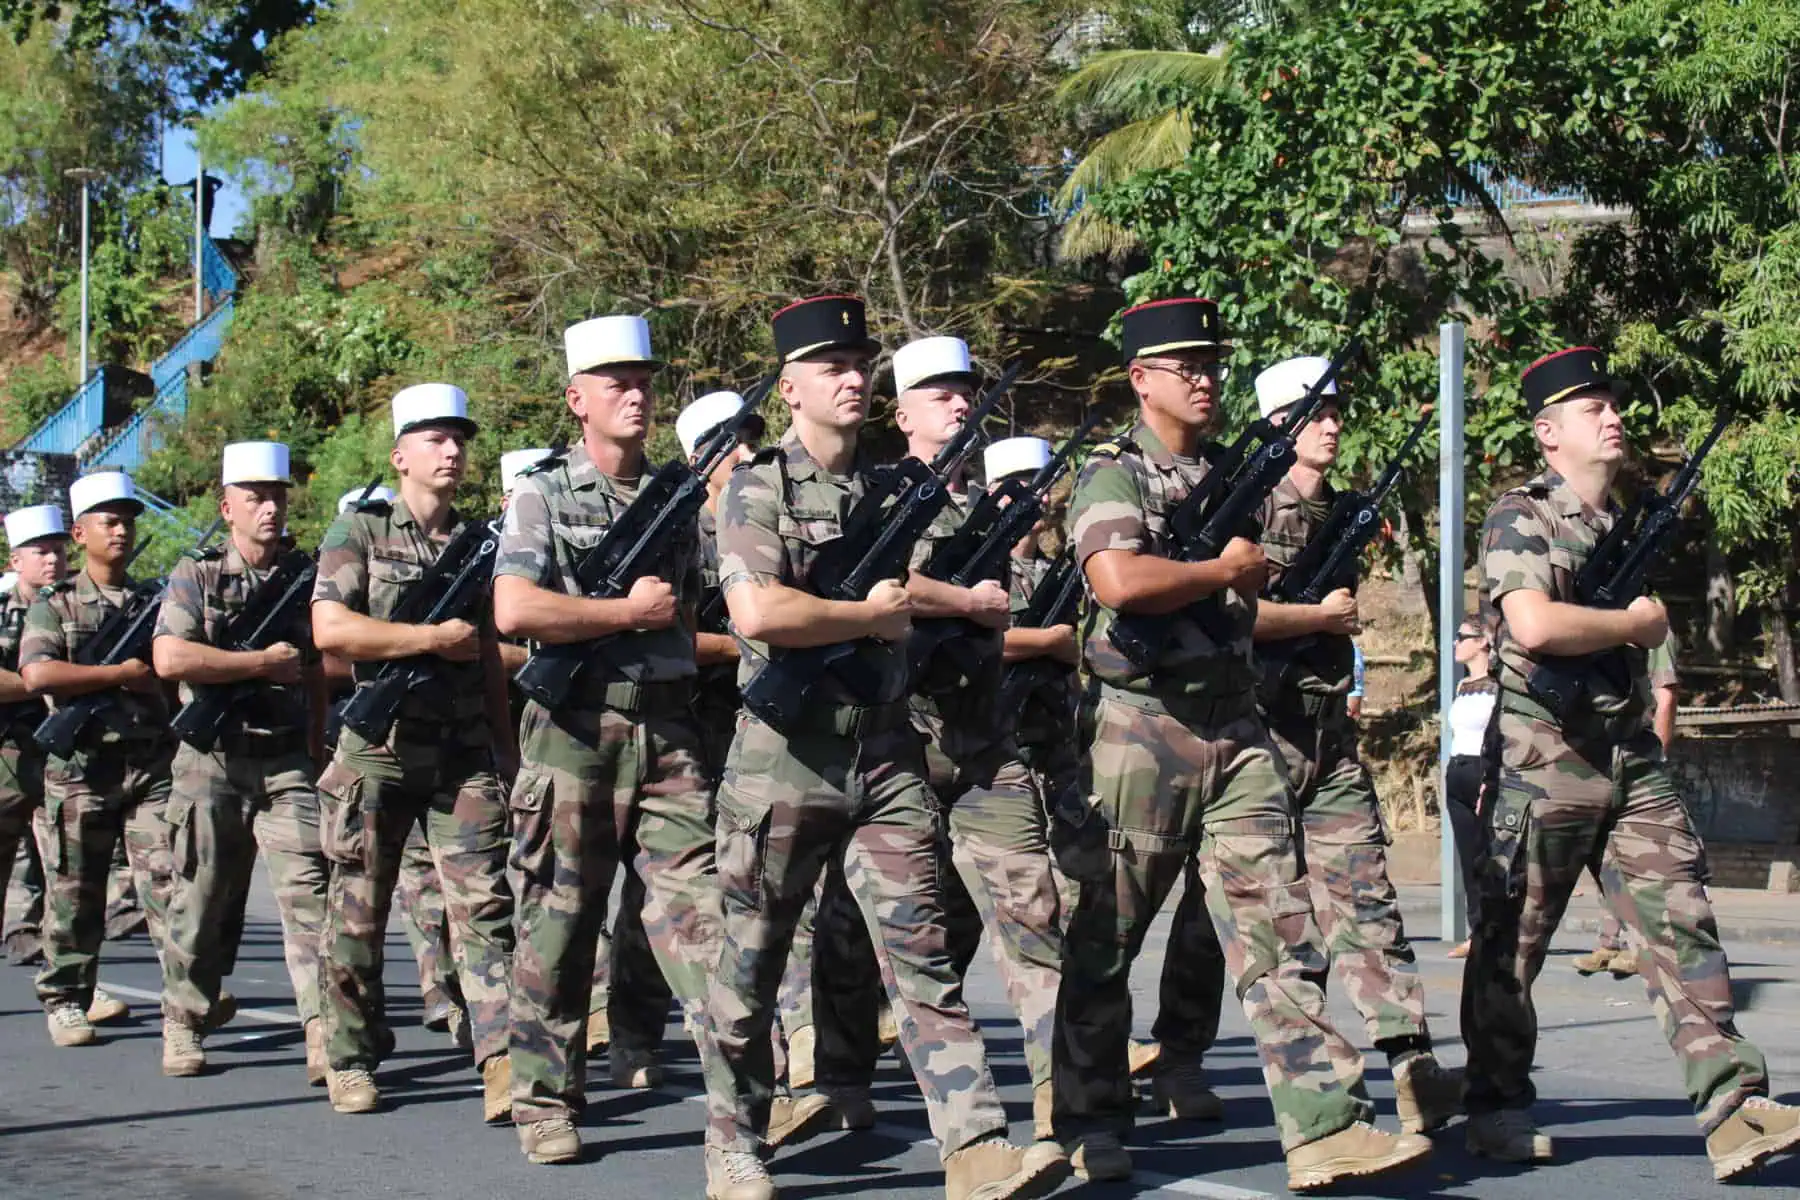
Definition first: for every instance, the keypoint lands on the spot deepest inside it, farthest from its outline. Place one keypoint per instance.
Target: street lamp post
(86, 176)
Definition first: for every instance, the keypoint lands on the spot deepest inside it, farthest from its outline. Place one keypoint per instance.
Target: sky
(229, 206)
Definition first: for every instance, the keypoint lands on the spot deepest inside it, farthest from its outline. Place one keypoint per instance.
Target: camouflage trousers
(1566, 805)
(370, 798)
(1003, 882)
(787, 807)
(420, 898)
(90, 803)
(795, 999)
(599, 788)
(1204, 784)
(628, 985)
(21, 797)
(1343, 843)
(224, 808)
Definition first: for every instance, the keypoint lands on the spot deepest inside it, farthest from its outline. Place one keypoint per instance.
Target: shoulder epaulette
(61, 585)
(377, 508)
(1113, 448)
(545, 463)
(767, 454)
(205, 553)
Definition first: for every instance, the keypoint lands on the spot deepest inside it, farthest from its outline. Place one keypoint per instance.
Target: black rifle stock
(879, 535)
(633, 546)
(257, 626)
(1053, 602)
(1220, 509)
(1613, 577)
(446, 592)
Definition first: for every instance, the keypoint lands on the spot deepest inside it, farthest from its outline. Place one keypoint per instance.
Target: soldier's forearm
(523, 609)
(935, 598)
(1281, 622)
(193, 662)
(358, 637)
(711, 649)
(1150, 584)
(795, 620)
(1549, 627)
(12, 688)
(1021, 643)
(512, 657)
(66, 680)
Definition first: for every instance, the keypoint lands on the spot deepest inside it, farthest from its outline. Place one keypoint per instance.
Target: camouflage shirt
(370, 558)
(19, 719)
(958, 685)
(561, 512)
(60, 622)
(1661, 664)
(205, 594)
(1122, 501)
(778, 512)
(1536, 537)
(717, 682)
(1288, 522)
(1047, 714)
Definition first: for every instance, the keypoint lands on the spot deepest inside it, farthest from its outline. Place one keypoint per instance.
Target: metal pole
(84, 282)
(199, 231)
(1454, 912)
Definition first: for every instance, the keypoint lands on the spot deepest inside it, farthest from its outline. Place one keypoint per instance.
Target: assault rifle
(1613, 577)
(265, 617)
(1053, 602)
(446, 592)
(979, 548)
(878, 539)
(635, 545)
(1220, 509)
(124, 635)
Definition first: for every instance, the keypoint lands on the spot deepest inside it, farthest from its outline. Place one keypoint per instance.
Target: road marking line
(1203, 1188)
(268, 1016)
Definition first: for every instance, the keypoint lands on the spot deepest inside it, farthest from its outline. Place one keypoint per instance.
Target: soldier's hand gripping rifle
(978, 550)
(879, 535)
(266, 616)
(1221, 508)
(123, 636)
(1613, 577)
(1053, 602)
(448, 591)
(635, 545)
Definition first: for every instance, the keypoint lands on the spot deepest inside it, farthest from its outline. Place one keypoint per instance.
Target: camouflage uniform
(1343, 837)
(253, 791)
(849, 788)
(436, 769)
(21, 762)
(617, 776)
(1182, 768)
(1661, 669)
(115, 785)
(420, 898)
(1589, 789)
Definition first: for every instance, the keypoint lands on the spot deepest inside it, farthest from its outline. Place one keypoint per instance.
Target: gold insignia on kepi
(845, 318)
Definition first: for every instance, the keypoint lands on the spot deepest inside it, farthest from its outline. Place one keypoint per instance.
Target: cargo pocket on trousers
(346, 828)
(1078, 836)
(742, 845)
(534, 846)
(182, 836)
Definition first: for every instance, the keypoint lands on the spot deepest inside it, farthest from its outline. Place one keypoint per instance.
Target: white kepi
(29, 524)
(608, 342)
(103, 487)
(254, 462)
(431, 404)
(930, 360)
(381, 493)
(1015, 455)
(703, 415)
(1286, 382)
(515, 463)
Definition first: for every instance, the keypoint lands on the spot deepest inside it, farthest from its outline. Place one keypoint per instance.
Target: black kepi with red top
(822, 323)
(1164, 326)
(1556, 377)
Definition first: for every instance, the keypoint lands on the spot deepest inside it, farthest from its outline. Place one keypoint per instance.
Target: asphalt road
(104, 1121)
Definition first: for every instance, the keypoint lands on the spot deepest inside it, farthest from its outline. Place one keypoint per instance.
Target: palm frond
(1090, 235)
(1159, 141)
(1129, 81)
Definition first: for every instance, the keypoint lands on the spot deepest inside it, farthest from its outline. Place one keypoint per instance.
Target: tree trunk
(1780, 633)
(1418, 572)
(1718, 629)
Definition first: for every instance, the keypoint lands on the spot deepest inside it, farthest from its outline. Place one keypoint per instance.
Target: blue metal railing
(216, 275)
(199, 344)
(141, 436)
(64, 430)
(168, 512)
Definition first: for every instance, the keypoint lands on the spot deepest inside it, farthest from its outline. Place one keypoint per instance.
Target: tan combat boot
(352, 1091)
(1627, 963)
(1758, 1129)
(851, 1109)
(1361, 1149)
(599, 1031)
(795, 1119)
(1141, 1056)
(1426, 1094)
(183, 1056)
(1594, 961)
(223, 1010)
(69, 1026)
(550, 1142)
(106, 1007)
(1100, 1157)
(995, 1170)
(1508, 1136)
(737, 1175)
(496, 1090)
(887, 1028)
(635, 1069)
(317, 1065)
(800, 1050)
(1043, 1112)
(1181, 1089)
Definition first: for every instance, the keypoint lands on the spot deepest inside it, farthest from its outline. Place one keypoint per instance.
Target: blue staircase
(78, 427)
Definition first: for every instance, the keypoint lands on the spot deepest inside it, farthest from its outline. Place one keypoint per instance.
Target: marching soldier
(848, 786)
(617, 775)
(1182, 767)
(115, 784)
(1583, 782)
(1306, 657)
(439, 766)
(254, 789)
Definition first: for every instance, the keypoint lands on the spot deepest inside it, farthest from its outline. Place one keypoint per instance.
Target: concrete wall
(29, 478)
